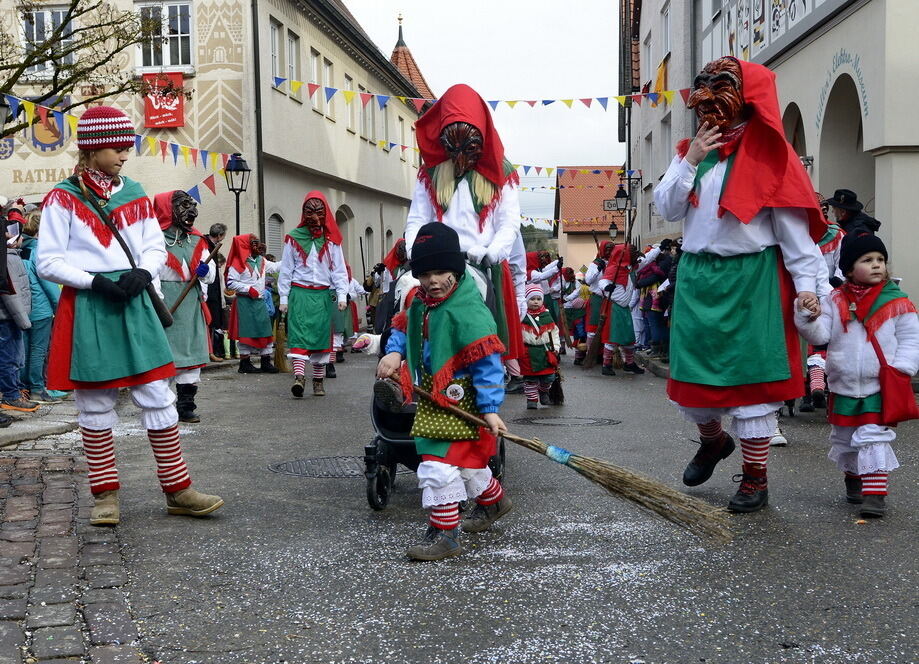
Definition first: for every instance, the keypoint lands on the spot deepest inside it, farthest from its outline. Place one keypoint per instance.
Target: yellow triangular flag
(186, 152)
(348, 95)
(215, 157)
(549, 171)
(30, 110)
(621, 100)
(152, 145)
(568, 102)
(401, 98)
(668, 95)
(295, 86)
(511, 102)
(381, 144)
(72, 120)
(584, 170)
(222, 173)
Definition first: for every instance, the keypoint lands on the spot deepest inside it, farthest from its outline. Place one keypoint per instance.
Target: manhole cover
(567, 421)
(325, 467)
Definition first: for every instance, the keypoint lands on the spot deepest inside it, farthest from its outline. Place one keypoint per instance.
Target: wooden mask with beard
(463, 144)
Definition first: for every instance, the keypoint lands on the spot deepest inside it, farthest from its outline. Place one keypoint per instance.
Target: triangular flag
(549, 171)
(225, 157)
(583, 170)
(392, 145)
(609, 175)
(209, 183)
(630, 173)
(204, 155)
(418, 103)
(381, 144)
(329, 93)
(175, 153)
(511, 102)
(278, 81)
(574, 174)
(587, 101)
(538, 170)
(151, 145)
(402, 99)
(531, 102)
(194, 193)
(668, 95)
(382, 100)
(653, 97)
(138, 143)
(620, 172)
(14, 106)
(59, 121)
(637, 99)
(546, 102)
(603, 101)
(595, 172)
(568, 102)
(348, 95)
(164, 146)
(194, 156)
(295, 86)
(215, 157)
(684, 93)
(494, 103)
(29, 106)
(42, 114)
(185, 152)
(403, 147)
(526, 170)
(561, 172)
(365, 97)
(621, 100)
(312, 87)
(72, 120)
(516, 166)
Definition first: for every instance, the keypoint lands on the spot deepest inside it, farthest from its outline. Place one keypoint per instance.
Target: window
(274, 229)
(415, 159)
(274, 32)
(167, 39)
(664, 146)
(646, 59)
(366, 127)
(316, 78)
(372, 105)
(402, 137)
(353, 106)
(293, 62)
(328, 75)
(368, 241)
(384, 126)
(38, 26)
(665, 31)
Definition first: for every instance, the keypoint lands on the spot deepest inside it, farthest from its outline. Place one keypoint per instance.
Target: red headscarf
(602, 249)
(240, 251)
(330, 226)
(460, 103)
(162, 207)
(621, 258)
(766, 172)
(392, 261)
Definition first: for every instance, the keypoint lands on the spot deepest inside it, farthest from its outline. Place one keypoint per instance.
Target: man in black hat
(849, 212)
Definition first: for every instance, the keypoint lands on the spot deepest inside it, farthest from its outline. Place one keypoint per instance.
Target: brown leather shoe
(105, 510)
(318, 390)
(189, 502)
(214, 358)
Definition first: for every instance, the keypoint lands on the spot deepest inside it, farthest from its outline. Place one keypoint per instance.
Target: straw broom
(692, 514)
(280, 344)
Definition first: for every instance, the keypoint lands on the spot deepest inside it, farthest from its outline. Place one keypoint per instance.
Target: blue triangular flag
(494, 104)
(392, 145)
(329, 93)
(204, 154)
(175, 153)
(596, 172)
(526, 169)
(560, 171)
(59, 119)
(546, 102)
(652, 96)
(603, 101)
(382, 100)
(278, 81)
(630, 173)
(137, 139)
(14, 105)
(194, 193)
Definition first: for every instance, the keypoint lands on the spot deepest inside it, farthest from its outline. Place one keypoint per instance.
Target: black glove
(561, 262)
(378, 268)
(134, 282)
(108, 289)
(609, 288)
(836, 282)
(601, 264)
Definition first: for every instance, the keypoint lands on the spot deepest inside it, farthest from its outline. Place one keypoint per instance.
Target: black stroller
(393, 444)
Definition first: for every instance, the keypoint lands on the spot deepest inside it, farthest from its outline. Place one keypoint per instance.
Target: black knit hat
(436, 248)
(855, 245)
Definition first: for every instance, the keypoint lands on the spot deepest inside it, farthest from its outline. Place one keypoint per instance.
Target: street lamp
(622, 199)
(237, 172)
(613, 231)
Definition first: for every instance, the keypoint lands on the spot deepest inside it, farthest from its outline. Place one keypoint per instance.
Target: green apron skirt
(310, 313)
(188, 333)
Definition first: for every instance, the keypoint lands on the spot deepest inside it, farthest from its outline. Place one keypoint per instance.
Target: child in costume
(867, 308)
(102, 292)
(541, 341)
(573, 294)
(616, 282)
(250, 324)
(448, 340)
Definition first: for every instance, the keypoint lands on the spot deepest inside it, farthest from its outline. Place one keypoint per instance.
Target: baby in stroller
(448, 339)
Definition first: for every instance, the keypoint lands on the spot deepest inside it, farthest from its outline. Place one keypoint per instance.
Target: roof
(405, 62)
(579, 199)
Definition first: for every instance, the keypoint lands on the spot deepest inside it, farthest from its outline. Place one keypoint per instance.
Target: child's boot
(874, 492)
(873, 506)
(490, 506)
(105, 510)
(531, 390)
(437, 544)
(853, 489)
(753, 493)
(189, 502)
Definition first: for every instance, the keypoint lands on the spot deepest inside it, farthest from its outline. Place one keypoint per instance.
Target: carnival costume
(250, 324)
(541, 341)
(616, 282)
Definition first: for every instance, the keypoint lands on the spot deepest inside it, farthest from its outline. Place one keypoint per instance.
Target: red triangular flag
(365, 97)
(587, 101)
(531, 102)
(42, 114)
(194, 156)
(609, 174)
(684, 93)
(226, 158)
(209, 183)
(573, 172)
(163, 147)
(538, 170)
(418, 103)
(312, 87)
(637, 99)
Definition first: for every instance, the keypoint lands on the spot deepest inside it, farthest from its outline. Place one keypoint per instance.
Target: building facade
(286, 83)
(585, 208)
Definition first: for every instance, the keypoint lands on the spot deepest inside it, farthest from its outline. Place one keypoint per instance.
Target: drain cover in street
(325, 467)
(567, 421)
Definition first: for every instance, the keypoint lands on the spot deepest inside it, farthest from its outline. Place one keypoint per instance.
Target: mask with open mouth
(717, 93)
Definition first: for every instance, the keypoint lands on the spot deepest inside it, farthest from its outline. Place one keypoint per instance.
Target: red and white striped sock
(170, 466)
(334, 355)
(492, 494)
(445, 517)
(711, 430)
(299, 366)
(817, 378)
(544, 387)
(874, 484)
(530, 390)
(755, 450)
(628, 354)
(318, 371)
(607, 355)
(99, 448)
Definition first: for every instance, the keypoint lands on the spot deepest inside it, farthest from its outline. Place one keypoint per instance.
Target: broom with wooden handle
(692, 514)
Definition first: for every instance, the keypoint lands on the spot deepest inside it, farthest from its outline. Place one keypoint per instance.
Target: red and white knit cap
(104, 127)
(533, 289)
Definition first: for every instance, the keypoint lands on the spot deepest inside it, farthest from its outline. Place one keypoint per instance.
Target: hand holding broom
(690, 513)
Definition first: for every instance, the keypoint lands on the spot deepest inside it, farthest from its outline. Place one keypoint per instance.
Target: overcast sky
(518, 49)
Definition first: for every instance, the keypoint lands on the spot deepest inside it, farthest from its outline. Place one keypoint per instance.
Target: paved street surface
(297, 569)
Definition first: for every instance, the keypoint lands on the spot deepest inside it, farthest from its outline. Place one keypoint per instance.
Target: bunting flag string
(419, 102)
(584, 221)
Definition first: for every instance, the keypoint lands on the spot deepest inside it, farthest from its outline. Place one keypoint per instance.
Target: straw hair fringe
(445, 185)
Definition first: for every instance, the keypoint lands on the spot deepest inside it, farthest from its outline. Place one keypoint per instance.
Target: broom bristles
(280, 346)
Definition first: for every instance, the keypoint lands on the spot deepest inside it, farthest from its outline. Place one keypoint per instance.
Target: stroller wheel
(496, 463)
(379, 486)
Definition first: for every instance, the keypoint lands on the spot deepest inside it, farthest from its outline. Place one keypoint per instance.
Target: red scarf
(429, 301)
(536, 312)
(240, 252)
(392, 261)
(99, 182)
(619, 258)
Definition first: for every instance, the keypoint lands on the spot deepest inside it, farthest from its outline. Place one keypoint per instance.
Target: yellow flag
(222, 173)
(549, 171)
(621, 100)
(72, 120)
(381, 144)
(30, 110)
(400, 98)
(348, 95)
(668, 95)
(584, 170)
(152, 145)
(186, 152)
(568, 102)
(215, 158)
(295, 86)
(512, 102)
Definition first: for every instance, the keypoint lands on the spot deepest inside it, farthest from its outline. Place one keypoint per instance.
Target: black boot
(544, 398)
(514, 385)
(807, 405)
(631, 367)
(753, 494)
(819, 398)
(700, 469)
(246, 366)
(330, 370)
(266, 366)
(854, 489)
(185, 403)
(339, 356)
(608, 370)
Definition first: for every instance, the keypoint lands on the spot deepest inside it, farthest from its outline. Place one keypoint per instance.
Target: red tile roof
(581, 208)
(404, 61)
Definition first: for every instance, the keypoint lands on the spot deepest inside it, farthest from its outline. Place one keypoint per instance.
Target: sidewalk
(55, 419)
